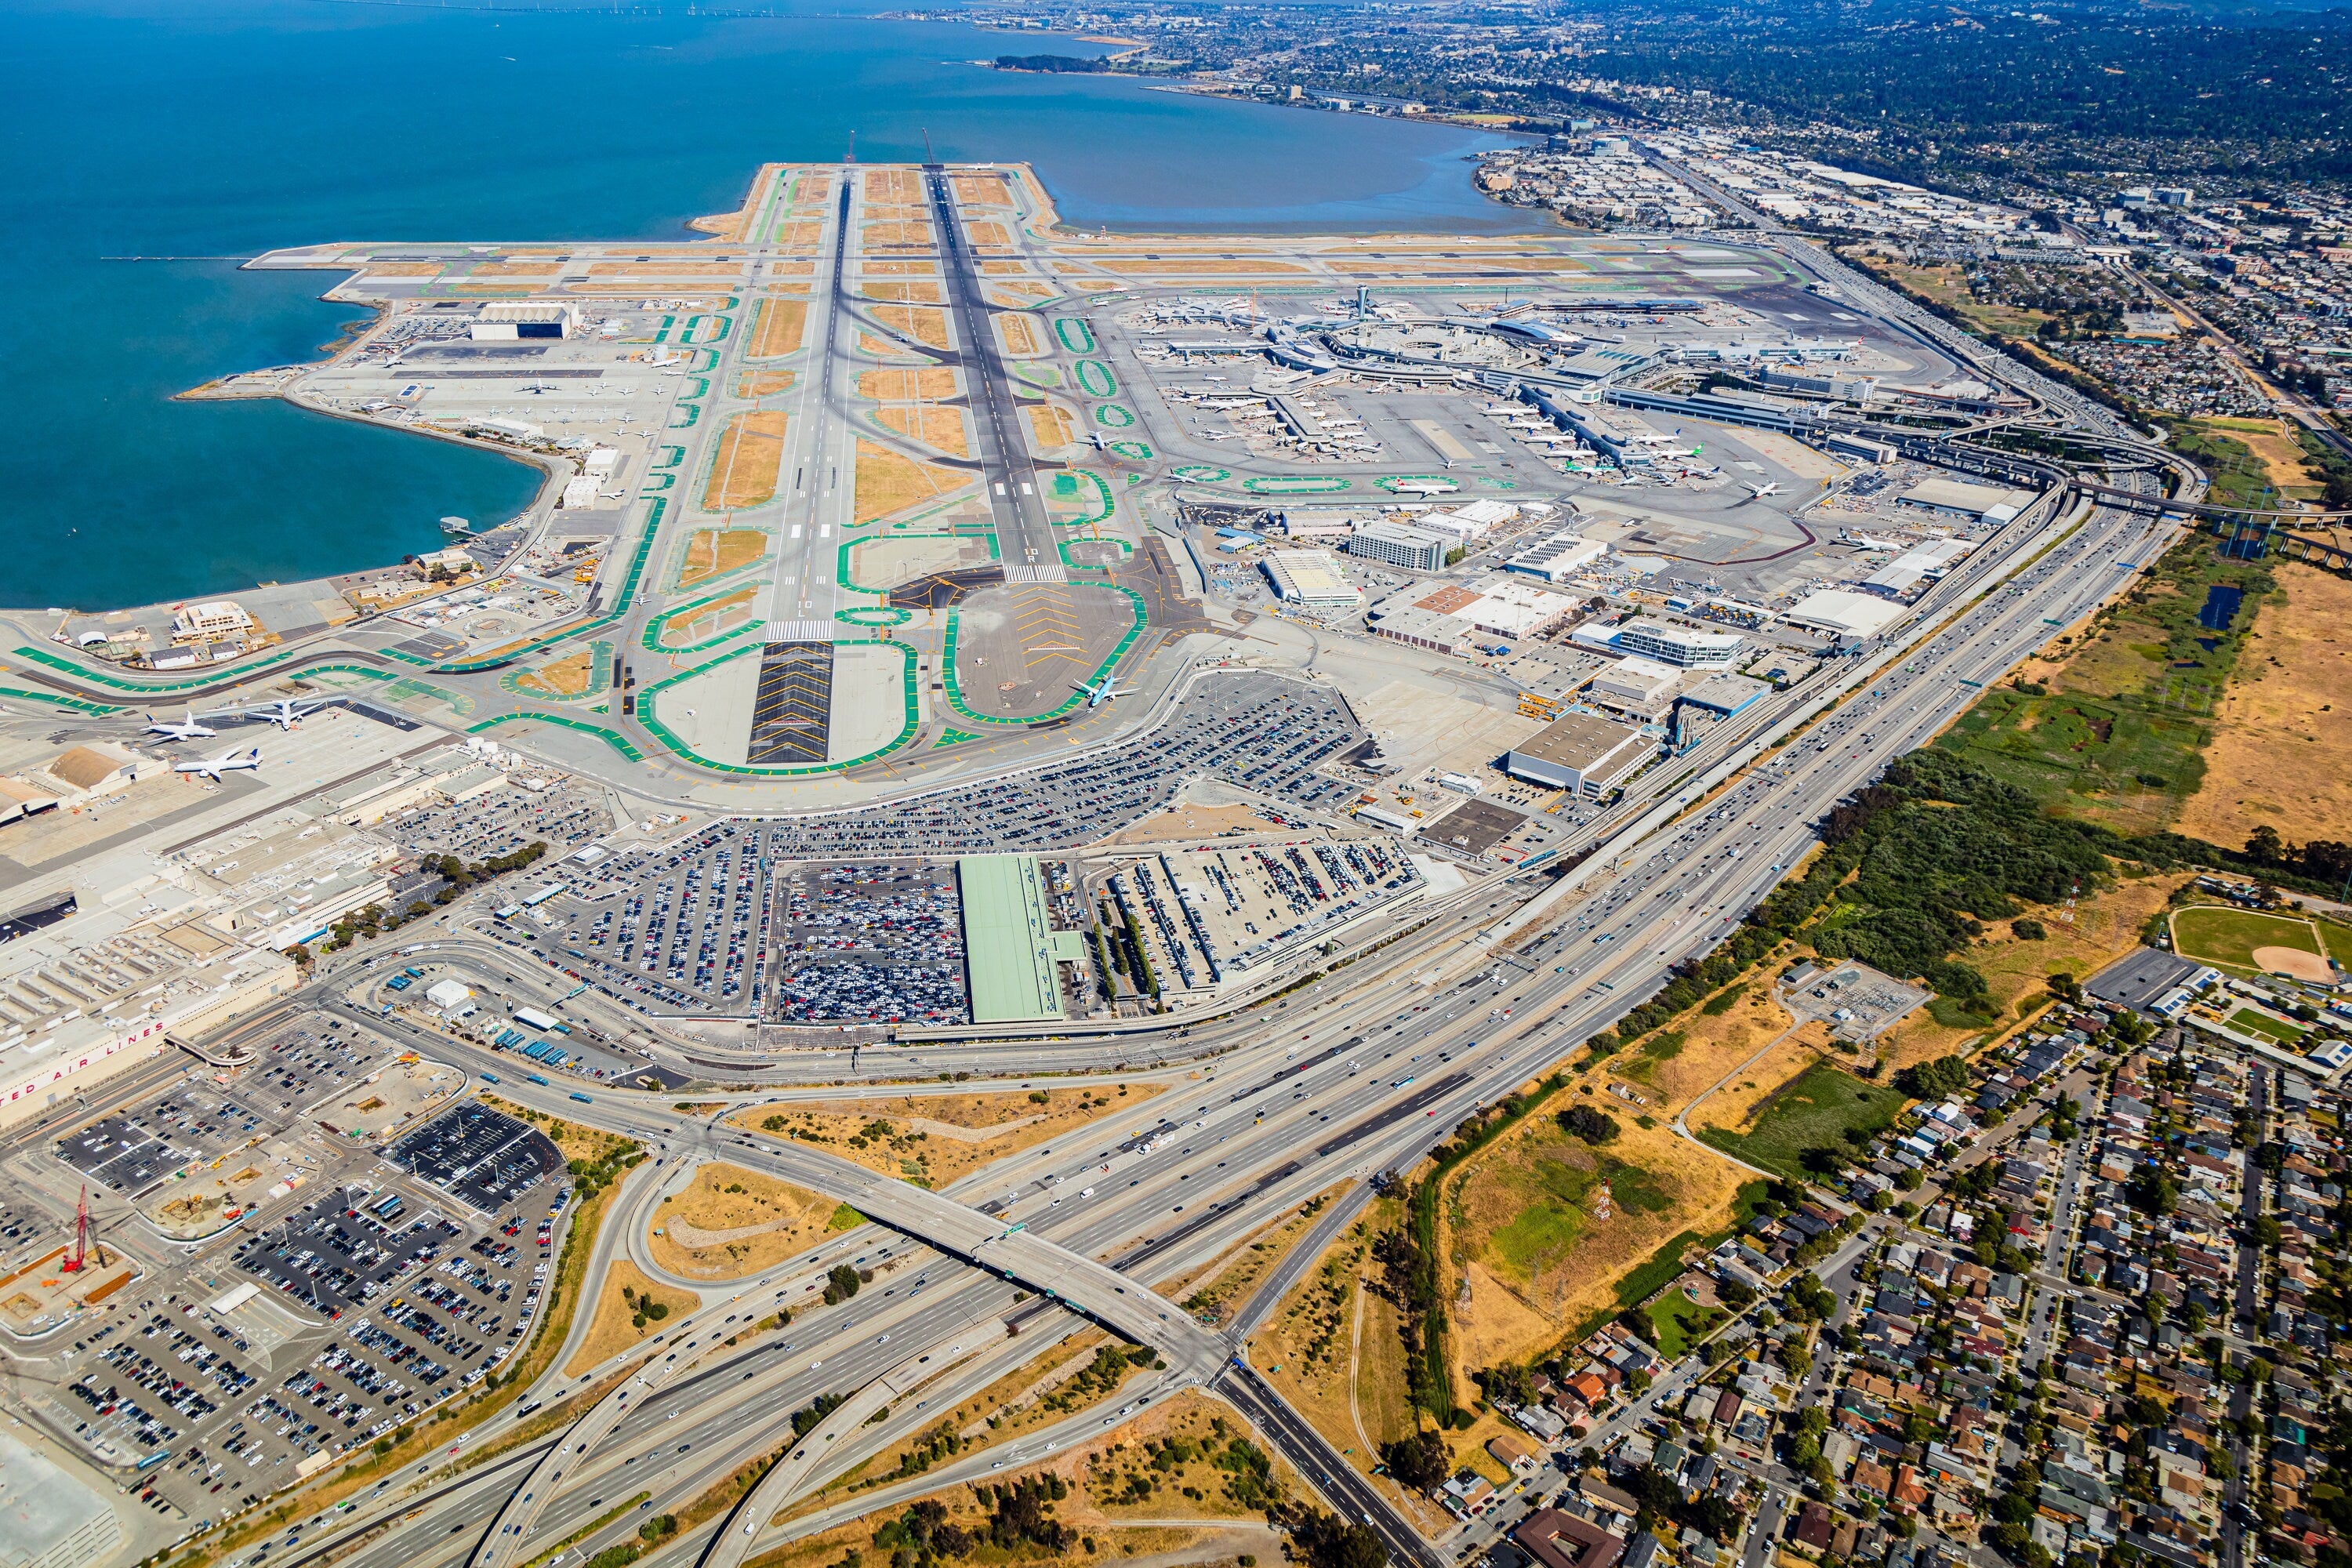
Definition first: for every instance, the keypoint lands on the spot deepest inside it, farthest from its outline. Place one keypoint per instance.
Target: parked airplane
(285, 712)
(1758, 492)
(227, 762)
(1103, 691)
(189, 730)
(1868, 541)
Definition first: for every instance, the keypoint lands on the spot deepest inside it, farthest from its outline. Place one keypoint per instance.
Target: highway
(1372, 1078)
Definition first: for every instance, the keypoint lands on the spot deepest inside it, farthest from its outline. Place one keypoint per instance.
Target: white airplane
(1105, 690)
(188, 730)
(1868, 541)
(227, 762)
(1758, 492)
(285, 712)
(1097, 439)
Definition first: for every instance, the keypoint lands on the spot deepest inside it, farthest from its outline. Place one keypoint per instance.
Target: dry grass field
(569, 676)
(2281, 756)
(751, 451)
(620, 1323)
(731, 1223)
(925, 383)
(898, 236)
(779, 327)
(714, 551)
(924, 325)
(665, 269)
(910, 292)
(1020, 335)
(762, 383)
(932, 426)
(936, 1139)
(889, 483)
(728, 610)
(988, 234)
(1050, 425)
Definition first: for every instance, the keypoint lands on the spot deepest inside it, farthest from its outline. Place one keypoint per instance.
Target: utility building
(1582, 753)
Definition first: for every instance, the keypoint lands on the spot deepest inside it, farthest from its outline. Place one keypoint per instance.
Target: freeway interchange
(1313, 1095)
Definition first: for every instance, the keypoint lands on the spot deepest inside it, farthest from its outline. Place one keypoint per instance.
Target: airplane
(227, 762)
(1758, 492)
(1097, 439)
(1103, 691)
(1868, 541)
(285, 712)
(190, 730)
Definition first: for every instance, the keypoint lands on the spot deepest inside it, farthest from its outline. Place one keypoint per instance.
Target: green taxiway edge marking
(612, 738)
(951, 738)
(1135, 449)
(646, 715)
(1297, 485)
(955, 690)
(1116, 416)
(79, 705)
(1095, 378)
(140, 688)
(651, 635)
(1063, 546)
(1084, 343)
(1105, 505)
(1201, 474)
(600, 666)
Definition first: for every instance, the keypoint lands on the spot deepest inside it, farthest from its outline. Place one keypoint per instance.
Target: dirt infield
(934, 427)
(988, 235)
(2293, 962)
(893, 186)
(2280, 757)
(1015, 296)
(779, 329)
(713, 551)
(751, 450)
(730, 225)
(888, 482)
(928, 384)
(665, 270)
(924, 326)
(881, 268)
(938, 1139)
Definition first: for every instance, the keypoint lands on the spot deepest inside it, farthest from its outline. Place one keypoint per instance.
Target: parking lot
(567, 811)
(877, 942)
(481, 1157)
(679, 927)
(1261, 732)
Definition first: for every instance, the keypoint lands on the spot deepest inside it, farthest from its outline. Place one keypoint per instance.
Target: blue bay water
(221, 128)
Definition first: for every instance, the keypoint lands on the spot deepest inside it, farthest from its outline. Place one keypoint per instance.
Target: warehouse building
(1959, 502)
(1583, 753)
(1558, 558)
(1640, 690)
(1308, 577)
(1646, 636)
(1908, 575)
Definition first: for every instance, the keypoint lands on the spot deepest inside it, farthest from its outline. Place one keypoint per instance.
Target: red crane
(83, 1237)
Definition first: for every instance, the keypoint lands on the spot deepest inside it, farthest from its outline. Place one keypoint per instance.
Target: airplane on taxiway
(226, 762)
(1102, 691)
(189, 729)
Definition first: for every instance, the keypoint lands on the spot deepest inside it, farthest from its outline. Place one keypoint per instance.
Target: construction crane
(85, 1238)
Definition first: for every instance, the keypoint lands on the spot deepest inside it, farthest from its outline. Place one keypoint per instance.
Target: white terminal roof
(1309, 577)
(1836, 610)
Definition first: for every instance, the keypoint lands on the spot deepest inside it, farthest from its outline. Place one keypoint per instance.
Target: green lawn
(1680, 1322)
(1812, 1111)
(2245, 1020)
(2338, 939)
(2219, 934)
